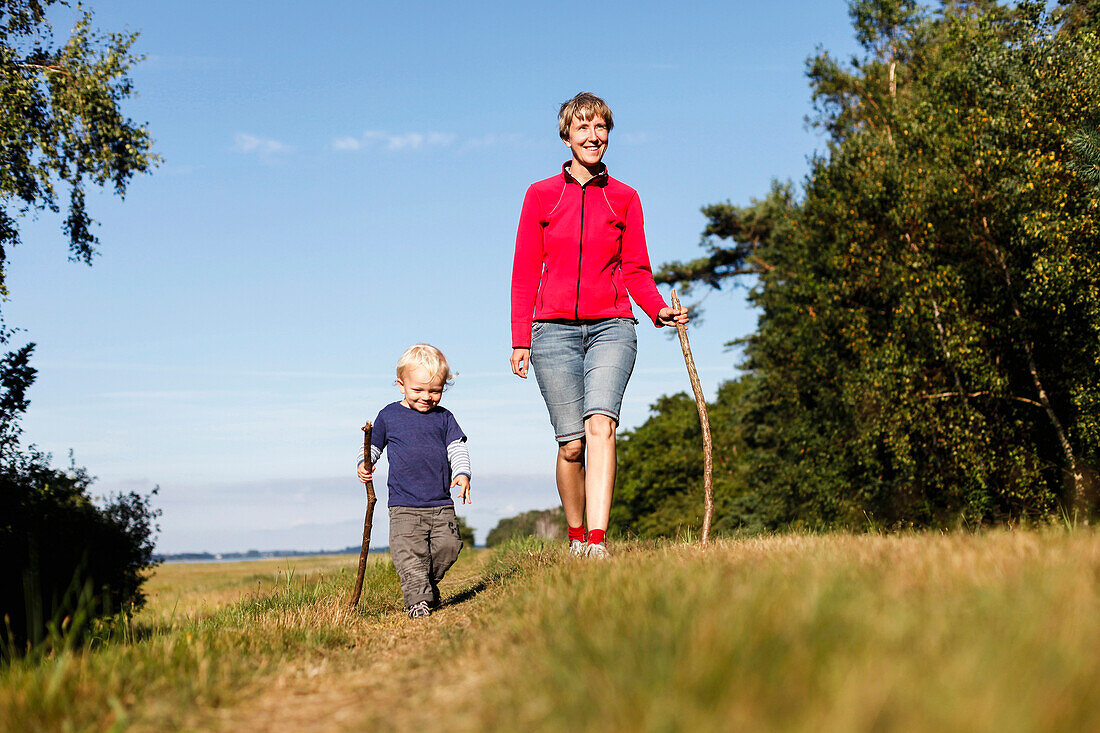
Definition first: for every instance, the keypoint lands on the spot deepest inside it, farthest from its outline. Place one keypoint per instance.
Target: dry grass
(986, 632)
(918, 632)
(196, 589)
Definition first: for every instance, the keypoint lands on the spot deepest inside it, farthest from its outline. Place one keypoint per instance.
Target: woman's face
(588, 140)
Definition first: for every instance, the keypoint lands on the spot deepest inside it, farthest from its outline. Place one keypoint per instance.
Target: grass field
(963, 632)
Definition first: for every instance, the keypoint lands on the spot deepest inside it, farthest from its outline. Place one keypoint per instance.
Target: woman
(580, 250)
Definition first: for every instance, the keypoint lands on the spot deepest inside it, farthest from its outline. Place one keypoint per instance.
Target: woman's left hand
(672, 316)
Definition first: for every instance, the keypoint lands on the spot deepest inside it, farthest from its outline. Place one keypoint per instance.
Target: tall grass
(965, 632)
(920, 632)
(166, 668)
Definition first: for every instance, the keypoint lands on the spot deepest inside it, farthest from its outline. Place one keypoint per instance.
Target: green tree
(929, 338)
(1086, 146)
(68, 560)
(659, 491)
(1077, 15)
(465, 532)
(61, 126)
(545, 523)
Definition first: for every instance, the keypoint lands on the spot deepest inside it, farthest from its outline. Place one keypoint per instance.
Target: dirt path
(396, 670)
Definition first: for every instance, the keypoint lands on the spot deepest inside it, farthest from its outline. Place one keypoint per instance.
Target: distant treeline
(256, 554)
(546, 523)
(466, 532)
(928, 346)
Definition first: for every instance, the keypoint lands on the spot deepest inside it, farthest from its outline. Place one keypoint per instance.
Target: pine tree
(1086, 147)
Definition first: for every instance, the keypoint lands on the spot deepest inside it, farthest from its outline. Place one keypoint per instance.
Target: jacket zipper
(580, 253)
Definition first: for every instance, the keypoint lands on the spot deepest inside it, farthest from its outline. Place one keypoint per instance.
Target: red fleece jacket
(579, 251)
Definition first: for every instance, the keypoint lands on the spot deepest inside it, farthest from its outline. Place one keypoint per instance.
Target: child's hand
(364, 473)
(464, 483)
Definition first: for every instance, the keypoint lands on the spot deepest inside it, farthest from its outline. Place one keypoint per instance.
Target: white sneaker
(578, 548)
(598, 551)
(419, 610)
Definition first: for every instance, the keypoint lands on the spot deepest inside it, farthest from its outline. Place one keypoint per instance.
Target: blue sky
(342, 180)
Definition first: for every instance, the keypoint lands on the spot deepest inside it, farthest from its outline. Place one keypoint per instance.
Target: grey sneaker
(419, 610)
(578, 548)
(598, 551)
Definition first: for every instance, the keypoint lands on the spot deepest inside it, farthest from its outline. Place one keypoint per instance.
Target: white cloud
(395, 142)
(492, 140)
(262, 146)
(346, 143)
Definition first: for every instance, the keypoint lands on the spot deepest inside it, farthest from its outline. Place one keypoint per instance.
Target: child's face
(422, 391)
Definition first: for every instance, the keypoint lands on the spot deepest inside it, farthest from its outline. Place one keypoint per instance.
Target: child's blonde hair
(585, 105)
(427, 356)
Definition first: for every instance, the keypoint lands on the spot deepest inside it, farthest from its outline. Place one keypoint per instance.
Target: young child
(428, 457)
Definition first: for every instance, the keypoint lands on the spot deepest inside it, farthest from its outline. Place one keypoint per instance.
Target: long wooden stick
(704, 421)
(367, 522)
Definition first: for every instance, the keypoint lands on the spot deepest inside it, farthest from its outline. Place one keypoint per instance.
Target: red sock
(576, 533)
(595, 536)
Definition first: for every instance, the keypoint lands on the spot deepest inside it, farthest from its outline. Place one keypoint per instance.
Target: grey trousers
(424, 544)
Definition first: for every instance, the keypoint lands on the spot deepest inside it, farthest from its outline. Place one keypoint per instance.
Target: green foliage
(1086, 146)
(659, 490)
(60, 122)
(465, 532)
(881, 25)
(928, 349)
(1077, 15)
(543, 523)
(68, 561)
(744, 228)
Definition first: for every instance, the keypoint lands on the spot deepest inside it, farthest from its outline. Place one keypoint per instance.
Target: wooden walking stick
(367, 521)
(704, 420)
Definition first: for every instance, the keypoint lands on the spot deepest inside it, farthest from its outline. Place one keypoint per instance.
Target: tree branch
(964, 395)
(47, 68)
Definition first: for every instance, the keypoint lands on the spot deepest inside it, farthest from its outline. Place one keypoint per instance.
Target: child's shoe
(419, 610)
(578, 548)
(598, 551)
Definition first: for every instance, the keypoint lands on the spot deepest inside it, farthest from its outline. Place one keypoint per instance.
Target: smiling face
(588, 140)
(422, 391)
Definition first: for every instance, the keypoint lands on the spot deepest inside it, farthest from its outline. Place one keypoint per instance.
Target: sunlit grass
(190, 590)
(208, 630)
(987, 632)
(919, 632)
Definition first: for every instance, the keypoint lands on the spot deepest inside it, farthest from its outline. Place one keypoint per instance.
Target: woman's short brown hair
(585, 106)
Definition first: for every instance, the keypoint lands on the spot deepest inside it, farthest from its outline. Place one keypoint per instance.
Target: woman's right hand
(521, 358)
(365, 474)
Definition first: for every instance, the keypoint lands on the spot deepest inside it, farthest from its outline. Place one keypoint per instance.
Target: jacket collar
(600, 179)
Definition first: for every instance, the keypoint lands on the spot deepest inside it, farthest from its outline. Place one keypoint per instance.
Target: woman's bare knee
(573, 451)
(598, 427)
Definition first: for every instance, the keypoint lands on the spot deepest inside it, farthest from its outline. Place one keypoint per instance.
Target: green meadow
(994, 631)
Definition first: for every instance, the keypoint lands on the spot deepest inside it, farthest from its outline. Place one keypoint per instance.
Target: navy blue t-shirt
(416, 444)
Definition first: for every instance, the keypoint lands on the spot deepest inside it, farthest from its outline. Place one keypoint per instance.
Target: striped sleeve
(459, 456)
(375, 453)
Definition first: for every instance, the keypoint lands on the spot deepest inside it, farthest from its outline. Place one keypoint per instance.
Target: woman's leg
(599, 477)
(610, 350)
(571, 476)
(557, 358)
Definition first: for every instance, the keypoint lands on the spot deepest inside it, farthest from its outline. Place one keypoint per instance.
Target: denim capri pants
(582, 368)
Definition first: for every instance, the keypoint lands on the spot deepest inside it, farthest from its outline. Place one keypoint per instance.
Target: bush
(67, 561)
